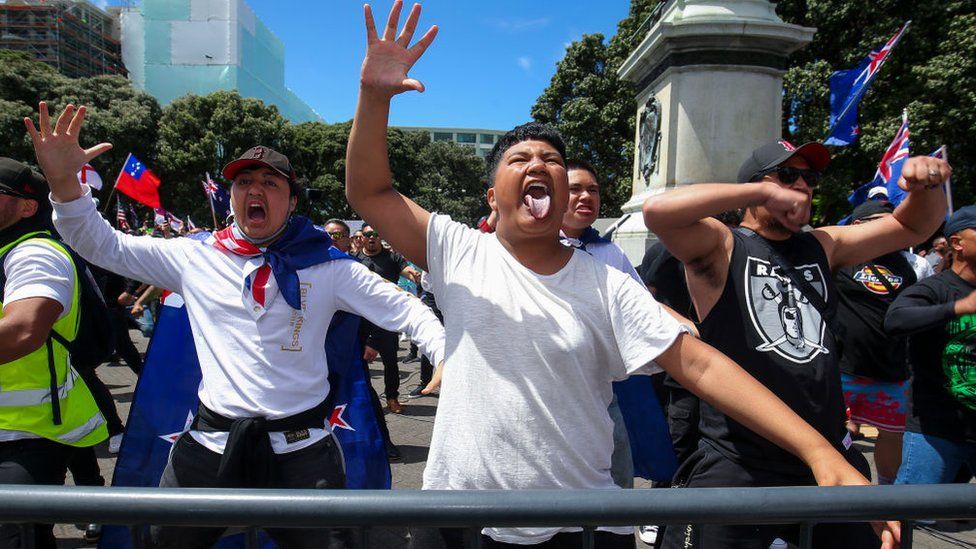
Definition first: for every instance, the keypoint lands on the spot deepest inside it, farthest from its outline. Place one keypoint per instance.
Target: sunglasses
(338, 234)
(371, 234)
(789, 175)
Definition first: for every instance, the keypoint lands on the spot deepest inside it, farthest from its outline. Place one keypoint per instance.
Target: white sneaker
(778, 544)
(647, 534)
(114, 443)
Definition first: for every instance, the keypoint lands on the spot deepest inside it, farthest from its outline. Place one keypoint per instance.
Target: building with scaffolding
(74, 36)
(176, 47)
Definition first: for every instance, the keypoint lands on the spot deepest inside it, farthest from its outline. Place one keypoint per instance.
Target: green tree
(932, 73)
(199, 134)
(451, 181)
(594, 110)
(23, 84)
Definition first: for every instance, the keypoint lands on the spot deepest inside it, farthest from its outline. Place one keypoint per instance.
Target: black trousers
(32, 461)
(707, 468)
(192, 465)
(123, 341)
(426, 368)
(387, 344)
(453, 538)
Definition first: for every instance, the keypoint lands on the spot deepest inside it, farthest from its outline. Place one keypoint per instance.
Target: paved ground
(411, 431)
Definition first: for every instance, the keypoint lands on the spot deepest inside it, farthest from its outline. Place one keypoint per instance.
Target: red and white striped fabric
(226, 240)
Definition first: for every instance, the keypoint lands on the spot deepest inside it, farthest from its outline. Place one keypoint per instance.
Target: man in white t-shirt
(260, 296)
(530, 322)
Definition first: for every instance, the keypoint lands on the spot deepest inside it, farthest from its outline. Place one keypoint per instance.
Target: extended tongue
(538, 207)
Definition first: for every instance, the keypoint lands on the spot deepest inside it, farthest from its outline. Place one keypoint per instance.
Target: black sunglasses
(371, 234)
(789, 175)
(337, 234)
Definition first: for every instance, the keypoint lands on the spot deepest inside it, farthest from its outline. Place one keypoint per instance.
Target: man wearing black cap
(260, 296)
(939, 317)
(765, 297)
(40, 297)
(873, 365)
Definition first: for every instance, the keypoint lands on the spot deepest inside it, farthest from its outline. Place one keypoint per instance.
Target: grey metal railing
(365, 509)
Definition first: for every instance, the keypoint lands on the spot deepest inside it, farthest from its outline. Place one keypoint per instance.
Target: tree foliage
(195, 135)
(932, 73)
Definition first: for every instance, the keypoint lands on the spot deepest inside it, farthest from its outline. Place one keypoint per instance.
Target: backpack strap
(807, 289)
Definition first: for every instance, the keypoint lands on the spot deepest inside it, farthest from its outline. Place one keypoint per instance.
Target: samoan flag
(219, 198)
(165, 401)
(889, 170)
(848, 87)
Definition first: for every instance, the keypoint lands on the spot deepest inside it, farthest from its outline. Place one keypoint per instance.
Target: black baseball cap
(773, 154)
(261, 156)
(961, 219)
(18, 179)
(869, 208)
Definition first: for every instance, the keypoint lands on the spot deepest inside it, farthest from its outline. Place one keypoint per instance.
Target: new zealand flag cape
(166, 398)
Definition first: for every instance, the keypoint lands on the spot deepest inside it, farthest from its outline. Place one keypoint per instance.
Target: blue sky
(489, 63)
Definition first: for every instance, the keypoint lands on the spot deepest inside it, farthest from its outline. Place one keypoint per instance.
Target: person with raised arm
(521, 336)
(260, 296)
(765, 295)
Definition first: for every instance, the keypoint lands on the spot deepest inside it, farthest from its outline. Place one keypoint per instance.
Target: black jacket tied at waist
(248, 459)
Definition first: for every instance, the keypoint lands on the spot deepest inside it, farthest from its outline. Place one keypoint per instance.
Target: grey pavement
(411, 432)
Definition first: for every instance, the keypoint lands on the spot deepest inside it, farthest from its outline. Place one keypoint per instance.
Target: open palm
(388, 60)
(58, 153)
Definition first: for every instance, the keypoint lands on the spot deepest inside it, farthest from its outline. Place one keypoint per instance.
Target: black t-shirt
(864, 299)
(936, 339)
(387, 264)
(764, 323)
(665, 276)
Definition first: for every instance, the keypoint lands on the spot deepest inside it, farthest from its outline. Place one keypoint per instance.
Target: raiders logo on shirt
(874, 284)
(788, 324)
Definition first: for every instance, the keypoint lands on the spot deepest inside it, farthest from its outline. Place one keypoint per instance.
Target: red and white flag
(90, 176)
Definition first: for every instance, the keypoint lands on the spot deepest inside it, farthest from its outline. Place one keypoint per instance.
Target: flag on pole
(90, 176)
(163, 216)
(125, 217)
(943, 153)
(219, 198)
(889, 169)
(138, 183)
(190, 225)
(848, 87)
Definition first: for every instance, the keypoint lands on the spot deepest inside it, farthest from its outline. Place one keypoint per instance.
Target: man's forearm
(716, 379)
(367, 159)
(922, 212)
(683, 207)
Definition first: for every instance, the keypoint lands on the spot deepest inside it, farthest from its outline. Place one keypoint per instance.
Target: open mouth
(537, 199)
(256, 212)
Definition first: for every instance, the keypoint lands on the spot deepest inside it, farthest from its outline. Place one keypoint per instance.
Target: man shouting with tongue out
(536, 331)
(260, 296)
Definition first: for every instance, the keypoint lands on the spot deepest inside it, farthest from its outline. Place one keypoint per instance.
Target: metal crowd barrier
(365, 509)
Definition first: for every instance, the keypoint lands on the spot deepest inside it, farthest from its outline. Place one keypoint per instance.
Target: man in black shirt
(873, 365)
(765, 296)
(939, 317)
(389, 265)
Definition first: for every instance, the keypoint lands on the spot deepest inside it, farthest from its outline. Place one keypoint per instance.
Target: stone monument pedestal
(709, 76)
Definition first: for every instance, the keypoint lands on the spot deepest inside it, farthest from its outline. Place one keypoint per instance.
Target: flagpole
(948, 183)
(210, 200)
(112, 192)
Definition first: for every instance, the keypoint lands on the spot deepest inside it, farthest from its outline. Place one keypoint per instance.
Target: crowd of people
(770, 342)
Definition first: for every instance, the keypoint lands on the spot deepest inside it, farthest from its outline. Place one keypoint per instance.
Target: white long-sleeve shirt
(256, 361)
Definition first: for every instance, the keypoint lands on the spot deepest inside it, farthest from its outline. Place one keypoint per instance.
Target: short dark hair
(339, 222)
(532, 131)
(576, 164)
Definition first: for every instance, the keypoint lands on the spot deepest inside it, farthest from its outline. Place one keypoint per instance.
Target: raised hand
(389, 59)
(58, 153)
(923, 172)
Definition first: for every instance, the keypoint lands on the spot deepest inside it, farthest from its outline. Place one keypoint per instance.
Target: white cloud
(518, 25)
(524, 63)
